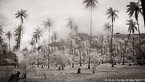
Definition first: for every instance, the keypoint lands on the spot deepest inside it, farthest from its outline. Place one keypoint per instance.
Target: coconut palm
(37, 34)
(131, 29)
(90, 4)
(48, 24)
(18, 34)
(22, 15)
(107, 27)
(134, 9)
(112, 14)
(9, 36)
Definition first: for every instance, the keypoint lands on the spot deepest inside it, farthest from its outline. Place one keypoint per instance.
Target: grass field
(104, 73)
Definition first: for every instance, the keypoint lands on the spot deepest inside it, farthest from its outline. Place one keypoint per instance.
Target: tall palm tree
(134, 9)
(131, 29)
(9, 36)
(22, 15)
(112, 14)
(48, 24)
(90, 4)
(18, 34)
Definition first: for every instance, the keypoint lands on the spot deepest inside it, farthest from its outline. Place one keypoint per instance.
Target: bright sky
(59, 11)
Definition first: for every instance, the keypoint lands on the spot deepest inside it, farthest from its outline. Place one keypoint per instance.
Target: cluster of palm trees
(133, 8)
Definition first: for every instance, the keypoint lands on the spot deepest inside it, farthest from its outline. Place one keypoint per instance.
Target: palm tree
(22, 15)
(9, 36)
(18, 34)
(112, 14)
(131, 29)
(134, 9)
(107, 27)
(48, 24)
(37, 34)
(90, 4)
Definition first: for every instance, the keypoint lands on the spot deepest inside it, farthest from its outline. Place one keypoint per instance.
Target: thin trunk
(139, 40)
(112, 46)
(125, 49)
(90, 37)
(10, 49)
(80, 58)
(49, 49)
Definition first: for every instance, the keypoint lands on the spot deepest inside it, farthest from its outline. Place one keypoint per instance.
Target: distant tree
(22, 15)
(90, 4)
(48, 24)
(9, 36)
(37, 34)
(113, 15)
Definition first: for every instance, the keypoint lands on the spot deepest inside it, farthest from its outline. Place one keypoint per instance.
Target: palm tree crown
(21, 14)
(134, 8)
(90, 4)
(37, 34)
(112, 14)
(132, 26)
(48, 23)
(107, 27)
(9, 35)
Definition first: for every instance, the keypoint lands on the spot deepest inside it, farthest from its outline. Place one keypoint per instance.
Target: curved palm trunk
(143, 9)
(89, 63)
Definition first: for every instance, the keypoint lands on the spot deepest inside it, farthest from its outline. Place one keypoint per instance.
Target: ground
(104, 73)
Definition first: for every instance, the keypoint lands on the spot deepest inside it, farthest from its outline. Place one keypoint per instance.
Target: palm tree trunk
(123, 62)
(139, 39)
(10, 49)
(90, 37)
(49, 49)
(111, 50)
(143, 9)
(80, 58)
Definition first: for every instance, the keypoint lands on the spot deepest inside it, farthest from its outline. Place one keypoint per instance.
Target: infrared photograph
(72, 40)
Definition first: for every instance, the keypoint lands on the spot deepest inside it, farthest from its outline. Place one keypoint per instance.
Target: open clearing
(104, 73)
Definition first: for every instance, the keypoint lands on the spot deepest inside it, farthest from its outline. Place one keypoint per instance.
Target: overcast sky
(59, 11)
